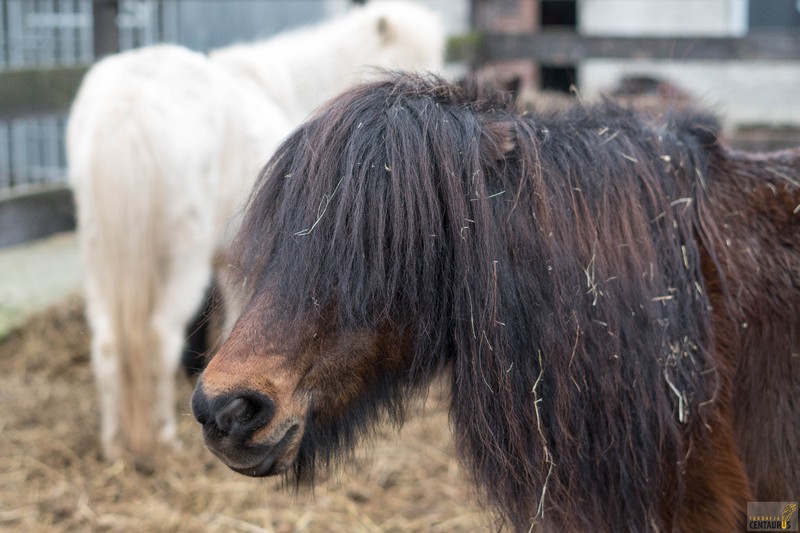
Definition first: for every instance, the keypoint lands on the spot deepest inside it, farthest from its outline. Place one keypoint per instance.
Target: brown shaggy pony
(617, 305)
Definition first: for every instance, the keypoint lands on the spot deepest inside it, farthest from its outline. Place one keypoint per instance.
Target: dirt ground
(52, 477)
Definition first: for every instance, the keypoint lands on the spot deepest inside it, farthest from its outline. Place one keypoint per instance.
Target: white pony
(300, 70)
(163, 145)
(158, 159)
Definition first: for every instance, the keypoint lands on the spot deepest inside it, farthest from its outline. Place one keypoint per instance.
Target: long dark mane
(551, 265)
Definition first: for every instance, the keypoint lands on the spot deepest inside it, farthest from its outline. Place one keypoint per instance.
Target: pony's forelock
(359, 178)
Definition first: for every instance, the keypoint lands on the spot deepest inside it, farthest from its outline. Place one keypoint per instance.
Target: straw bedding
(52, 477)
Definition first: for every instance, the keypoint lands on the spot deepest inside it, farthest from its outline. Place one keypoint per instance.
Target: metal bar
(19, 154)
(5, 156)
(3, 33)
(57, 35)
(86, 35)
(14, 26)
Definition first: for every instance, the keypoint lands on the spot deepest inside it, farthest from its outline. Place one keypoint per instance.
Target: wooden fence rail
(559, 47)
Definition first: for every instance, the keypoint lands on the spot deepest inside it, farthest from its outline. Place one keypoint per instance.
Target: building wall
(743, 92)
(655, 18)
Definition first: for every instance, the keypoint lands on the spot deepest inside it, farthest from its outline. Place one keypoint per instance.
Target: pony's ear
(498, 138)
(705, 128)
(694, 126)
(384, 30)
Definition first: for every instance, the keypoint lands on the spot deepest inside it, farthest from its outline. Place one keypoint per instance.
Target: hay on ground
(52, 477)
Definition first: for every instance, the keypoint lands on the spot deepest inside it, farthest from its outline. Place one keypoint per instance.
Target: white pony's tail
(119, 214)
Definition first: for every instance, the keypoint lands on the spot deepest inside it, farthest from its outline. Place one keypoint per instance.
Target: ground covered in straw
(53, 479)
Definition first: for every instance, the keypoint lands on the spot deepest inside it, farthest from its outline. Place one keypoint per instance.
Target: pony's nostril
(241, 414)
(235, 412)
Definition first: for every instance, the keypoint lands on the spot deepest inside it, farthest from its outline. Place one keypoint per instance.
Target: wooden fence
(503, 31)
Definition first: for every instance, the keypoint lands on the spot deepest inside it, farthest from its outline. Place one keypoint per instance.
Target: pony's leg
(182, 296)
(105, 367)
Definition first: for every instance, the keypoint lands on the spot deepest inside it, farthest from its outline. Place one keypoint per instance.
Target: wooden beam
(29, 216)
(26, 92)
(106, 29)
(560, 47)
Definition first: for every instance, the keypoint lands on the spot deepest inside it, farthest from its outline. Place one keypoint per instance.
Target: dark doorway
(557, 14)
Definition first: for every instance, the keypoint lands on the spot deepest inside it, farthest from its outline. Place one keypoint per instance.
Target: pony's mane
(552, 263)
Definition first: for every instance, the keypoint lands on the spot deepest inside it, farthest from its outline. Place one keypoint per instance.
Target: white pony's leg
(182, 295)
(105, 366)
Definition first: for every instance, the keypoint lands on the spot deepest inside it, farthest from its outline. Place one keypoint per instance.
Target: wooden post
(508, 17)
(105, 28)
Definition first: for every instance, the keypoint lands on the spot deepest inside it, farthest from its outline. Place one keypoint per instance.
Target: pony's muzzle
(233, 428)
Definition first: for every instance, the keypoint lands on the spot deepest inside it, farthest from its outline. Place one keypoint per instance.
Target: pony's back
(301, 69)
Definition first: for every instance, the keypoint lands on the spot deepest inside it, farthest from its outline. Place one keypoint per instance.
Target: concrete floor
(36, 275)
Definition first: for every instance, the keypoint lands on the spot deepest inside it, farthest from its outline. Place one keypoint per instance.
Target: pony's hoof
(112, 451)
